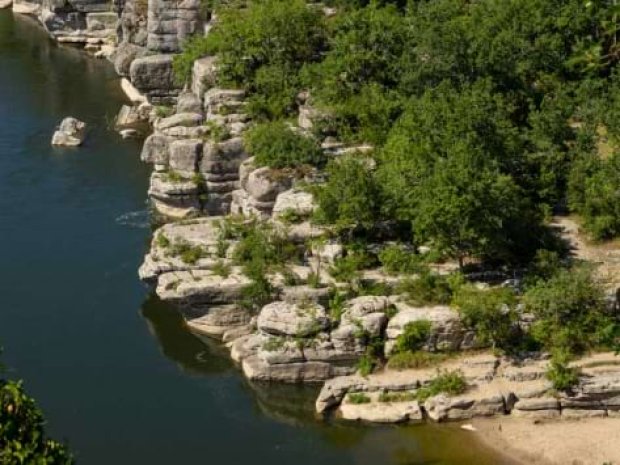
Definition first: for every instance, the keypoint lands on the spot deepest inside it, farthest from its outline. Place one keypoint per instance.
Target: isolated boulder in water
(71, 133)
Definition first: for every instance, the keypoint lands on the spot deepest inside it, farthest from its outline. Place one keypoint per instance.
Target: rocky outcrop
(70, 133)
(154, 77)
(170, 23)
(391, 396)
(447, 331)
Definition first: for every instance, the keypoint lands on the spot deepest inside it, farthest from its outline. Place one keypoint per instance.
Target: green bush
(451, 383)
(491, 313)
(350, 198)
(563, 376)
(277, 146)
(366, 364)
(358, 398)
(262, 48)
(188, 253)
(430, 289)
(570, 311)
(601, 208)
(397, 259)
(415, 335)
(22, 435)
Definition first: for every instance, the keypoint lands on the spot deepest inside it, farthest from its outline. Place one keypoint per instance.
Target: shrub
(188, 253)
(337, 305)
(162, 241)
(414, 360)
(22, 435)
(366, 364)
(314, 280)
(397, 397)
(222, 269)
(346, 269)
(560, 373)
(397, 259)
(415, 335)
(350, 197)
(491, 313)
(430, 289)
(451, 383)
(259, 292)
(358, 398)
(262, 47)
(277, 146)
(570, 311)
(601, 209)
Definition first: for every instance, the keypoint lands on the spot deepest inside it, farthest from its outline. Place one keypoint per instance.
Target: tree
(466, 207)
(350, 197)
(22, 436)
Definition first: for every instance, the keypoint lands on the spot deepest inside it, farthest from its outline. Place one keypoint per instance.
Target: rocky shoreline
(314, 328)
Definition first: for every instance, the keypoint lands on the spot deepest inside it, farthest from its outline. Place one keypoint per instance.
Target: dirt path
(606, 256)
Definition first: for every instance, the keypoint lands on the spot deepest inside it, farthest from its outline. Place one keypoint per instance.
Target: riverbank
(593, 441)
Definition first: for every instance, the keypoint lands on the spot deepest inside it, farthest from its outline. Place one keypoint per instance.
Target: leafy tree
(22, 435)
(262, 48)
(350, 197)
(468, 209)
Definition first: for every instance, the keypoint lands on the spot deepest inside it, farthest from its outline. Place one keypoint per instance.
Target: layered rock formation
(495, 387)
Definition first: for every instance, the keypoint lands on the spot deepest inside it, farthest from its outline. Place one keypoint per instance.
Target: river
(118, 376)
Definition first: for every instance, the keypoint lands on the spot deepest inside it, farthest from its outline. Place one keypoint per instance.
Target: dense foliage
(485, 116)
(22, 436)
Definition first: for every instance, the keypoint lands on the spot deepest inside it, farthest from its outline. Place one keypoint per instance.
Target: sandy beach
(593, 441)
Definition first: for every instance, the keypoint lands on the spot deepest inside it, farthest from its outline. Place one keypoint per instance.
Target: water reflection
(192, 355)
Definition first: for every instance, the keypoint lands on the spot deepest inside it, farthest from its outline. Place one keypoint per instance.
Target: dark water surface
(113, 368)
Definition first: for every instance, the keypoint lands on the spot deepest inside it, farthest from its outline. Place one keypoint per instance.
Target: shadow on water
(192, 355)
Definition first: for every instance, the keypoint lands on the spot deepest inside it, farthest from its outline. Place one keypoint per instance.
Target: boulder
(219, 320)
(294, 200)
(218, 100)
(264, 186)
(124, 55)
(5, 4)
(464, 407)
(203, 75)
(447, 332)
(185, 155)
(201, 288)
(129, 117)
(221, 160)
(156, 150)
(180, 119)
(382, 412)
(131, 92)
(188, 103)
(289, 319)
(100, 20)
(170, 23)
(153, 76)
(256, 369)
(70, 133)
